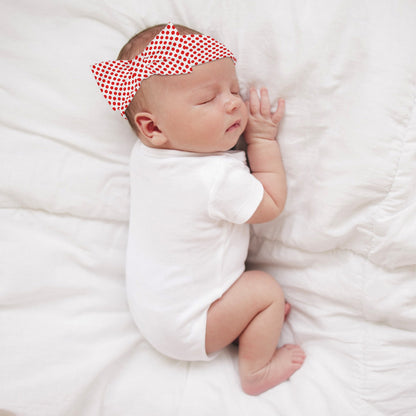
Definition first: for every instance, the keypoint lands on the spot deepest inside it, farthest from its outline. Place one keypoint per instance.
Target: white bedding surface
(344, 249)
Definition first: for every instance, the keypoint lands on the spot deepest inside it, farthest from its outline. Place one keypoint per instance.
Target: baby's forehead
(202, 76)
(211, 76)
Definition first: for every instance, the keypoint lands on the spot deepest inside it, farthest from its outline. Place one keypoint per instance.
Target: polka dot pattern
(169, 53)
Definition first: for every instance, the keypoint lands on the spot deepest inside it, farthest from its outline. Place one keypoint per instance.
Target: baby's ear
(146, 124)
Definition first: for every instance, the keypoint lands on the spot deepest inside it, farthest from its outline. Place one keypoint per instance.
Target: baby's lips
(234, 125)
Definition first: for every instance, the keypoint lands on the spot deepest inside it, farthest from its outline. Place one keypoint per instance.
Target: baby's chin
(240, 144)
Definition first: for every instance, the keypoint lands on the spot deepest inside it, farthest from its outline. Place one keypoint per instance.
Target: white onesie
(187, 241)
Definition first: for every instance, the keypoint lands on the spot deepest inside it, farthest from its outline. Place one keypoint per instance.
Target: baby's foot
(285, 361)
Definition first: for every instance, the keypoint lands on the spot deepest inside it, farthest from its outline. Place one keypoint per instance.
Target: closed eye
(206, 100)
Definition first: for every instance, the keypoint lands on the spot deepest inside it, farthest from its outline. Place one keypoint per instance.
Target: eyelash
(207, 101)
(213, 98)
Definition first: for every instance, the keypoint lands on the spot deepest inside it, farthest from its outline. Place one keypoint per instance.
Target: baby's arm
(263, 153)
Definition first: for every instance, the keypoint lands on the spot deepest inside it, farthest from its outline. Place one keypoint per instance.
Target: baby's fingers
(264, 103)
(278, 114)
(254, 102)
(259, 105)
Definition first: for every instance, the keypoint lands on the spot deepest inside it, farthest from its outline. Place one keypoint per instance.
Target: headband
(169, 53)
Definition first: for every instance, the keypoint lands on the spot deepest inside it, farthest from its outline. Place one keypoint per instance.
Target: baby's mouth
(234, 126)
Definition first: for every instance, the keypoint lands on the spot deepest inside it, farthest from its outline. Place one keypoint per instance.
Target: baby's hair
(134, 47)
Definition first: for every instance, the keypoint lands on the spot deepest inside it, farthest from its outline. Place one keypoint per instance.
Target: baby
(192, 200)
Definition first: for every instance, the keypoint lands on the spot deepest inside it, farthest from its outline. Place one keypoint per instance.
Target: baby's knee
(267, 285)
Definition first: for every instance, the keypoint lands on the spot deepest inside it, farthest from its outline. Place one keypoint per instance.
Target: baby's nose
(232, 103)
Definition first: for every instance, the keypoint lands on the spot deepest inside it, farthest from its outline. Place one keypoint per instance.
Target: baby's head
(134, 47)
(199, 110)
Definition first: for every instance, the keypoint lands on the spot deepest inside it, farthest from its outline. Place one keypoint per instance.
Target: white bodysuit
(187, 243)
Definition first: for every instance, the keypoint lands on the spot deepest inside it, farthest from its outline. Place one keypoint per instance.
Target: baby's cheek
(244, 117)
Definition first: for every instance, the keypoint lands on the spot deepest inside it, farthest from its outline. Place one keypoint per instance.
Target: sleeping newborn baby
(192, 200)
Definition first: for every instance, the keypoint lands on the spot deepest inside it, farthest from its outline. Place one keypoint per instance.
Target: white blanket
(344, 249)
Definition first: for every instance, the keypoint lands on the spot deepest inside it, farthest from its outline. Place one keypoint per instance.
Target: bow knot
(169, 53)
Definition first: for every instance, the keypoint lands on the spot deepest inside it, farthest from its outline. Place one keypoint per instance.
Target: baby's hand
(262, 123)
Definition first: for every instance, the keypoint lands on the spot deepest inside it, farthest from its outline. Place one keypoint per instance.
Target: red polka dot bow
(169, 53)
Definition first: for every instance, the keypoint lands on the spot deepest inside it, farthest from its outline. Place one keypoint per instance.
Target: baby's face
(201, 111)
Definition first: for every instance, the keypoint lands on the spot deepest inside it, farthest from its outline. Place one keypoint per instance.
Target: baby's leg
(253, 310)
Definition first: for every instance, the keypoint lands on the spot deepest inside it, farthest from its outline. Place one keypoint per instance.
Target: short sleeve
(236, 193)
